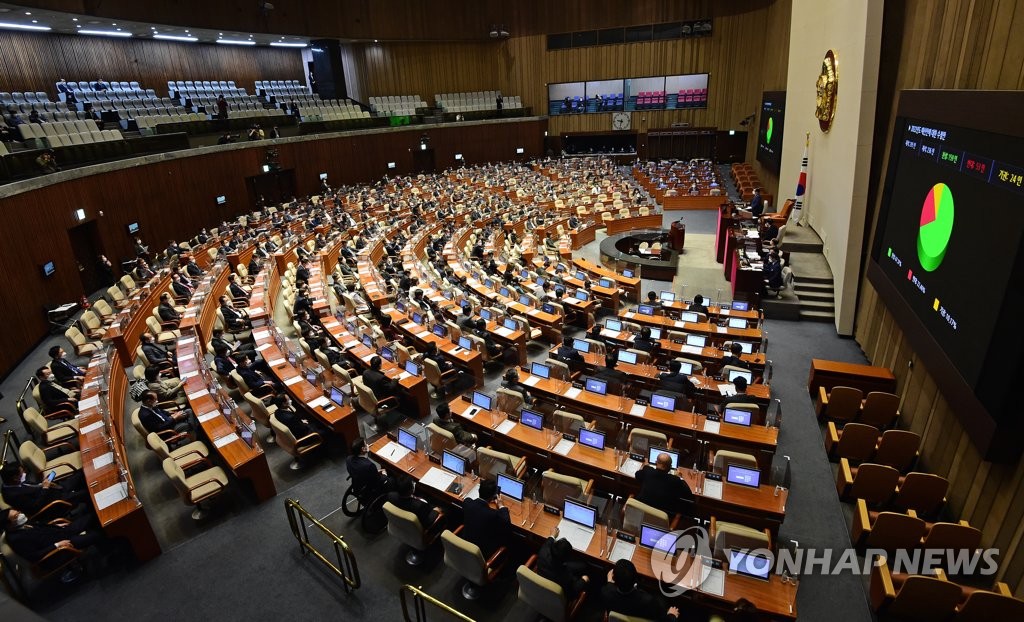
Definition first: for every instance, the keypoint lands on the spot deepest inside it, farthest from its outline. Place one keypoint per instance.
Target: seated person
(378, 382)
(553, 563)
(569, 355)
(644, 342)
(402, 497)
(166, 310)
(511, 382)
(155, 419)
(773, 272)
(616, 379)
(54, 396)
(677, 383)
(622, 595)
(28, 497)
(733, 358)
(698, 305)
(485, 523)
(35, 540)
(166, 389)
(256, 379)
(445, 421)
(235, 289)
(235, 348)
(68, 374)
(364, 473)
(299, 426)
(740, 397)
(661, 488)
(235, 318)
(156, 354)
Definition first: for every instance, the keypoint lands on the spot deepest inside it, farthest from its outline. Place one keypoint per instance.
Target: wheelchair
(367, 504)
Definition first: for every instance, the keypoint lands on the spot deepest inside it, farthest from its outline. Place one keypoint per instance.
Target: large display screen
(947, 254)
(769, 133)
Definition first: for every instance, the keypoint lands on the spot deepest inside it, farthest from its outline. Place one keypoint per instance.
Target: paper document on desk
(713, 581)
(563, 447)
(679, 324)
(504, 332)
(723, 311)
(628, 315)
(474, 492)
(728, 389)
(531, 381)
(260, 334)
(712, 489)
(263, 347)
(394, 452)
(609, 333)
(630, 467)
(404, 375)
(410, 326)
(92, 427)
(579, 537)
(190, 374)
(722, 329)
(226, 440)
(255, 311)
(91, 402)
(213, 414)
(693, 350)
(198, 394)
(319, 402)
(293, 380)
(638, 410)
(573, 393)
(436, 478)
(505, 426)
(712, 427)
(621, 550)
(104, 460)
(350, 344)
(275, 362)
(111, 495)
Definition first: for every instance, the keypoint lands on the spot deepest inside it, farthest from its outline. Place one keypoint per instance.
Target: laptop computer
(743, 476)
(510, 487)
(736, 416)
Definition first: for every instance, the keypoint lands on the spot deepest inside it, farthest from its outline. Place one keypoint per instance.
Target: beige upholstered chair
(406, 528)
(465, 558)
(197, 488)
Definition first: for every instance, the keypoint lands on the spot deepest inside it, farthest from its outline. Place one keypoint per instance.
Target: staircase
(812, 298)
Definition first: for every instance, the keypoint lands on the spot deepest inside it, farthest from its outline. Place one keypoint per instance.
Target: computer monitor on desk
(667, 296)
(736, 416)
(581, 345)
(510, 487)
(532, 419)
(743, 476)
(453, 462)
(465, 343)
(688, 316)
(540, 370)
(654, 452)
(580, 513)
(592, 439)
(481, 401)
(613, 325)
(599, 387)
(658, 539)
(750, 564)
(407, 440)
(737, 373)
(625, 356)
(412, 368)
(697, 341)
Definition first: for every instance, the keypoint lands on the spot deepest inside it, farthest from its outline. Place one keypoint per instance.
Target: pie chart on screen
(936, 227)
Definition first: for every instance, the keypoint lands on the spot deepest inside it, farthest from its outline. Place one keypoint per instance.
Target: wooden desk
(631, 285)
(101, 440)
(247, 463)
(529, 521)
(867, 378)
(620, 225)
(130, 322)
(470, 360)
(717, 334)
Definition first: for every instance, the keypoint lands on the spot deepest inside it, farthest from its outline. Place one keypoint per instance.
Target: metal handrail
(420, 599)
(345, 567)
(10, 442)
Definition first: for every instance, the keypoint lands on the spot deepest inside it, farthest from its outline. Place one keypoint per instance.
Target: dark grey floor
(244, 563)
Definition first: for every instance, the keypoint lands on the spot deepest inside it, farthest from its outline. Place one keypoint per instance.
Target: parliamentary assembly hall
(593, 310)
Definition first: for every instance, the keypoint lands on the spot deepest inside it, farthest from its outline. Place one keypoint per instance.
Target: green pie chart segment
(768, 134)
(936, 227)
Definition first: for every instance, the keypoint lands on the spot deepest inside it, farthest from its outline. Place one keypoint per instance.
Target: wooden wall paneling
(34, 62)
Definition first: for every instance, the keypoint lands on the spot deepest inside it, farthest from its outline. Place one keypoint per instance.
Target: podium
(677, 235)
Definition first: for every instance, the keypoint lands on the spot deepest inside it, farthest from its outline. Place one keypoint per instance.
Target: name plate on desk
(198, 394)
(104, 460)
(721, 329)
(92, 427)
(504, 332)
(318, 402)
(111, 495)
(293, 380)
(91, 402)
(275, 362)
(261, 334)
(263, 347)
(679, 324)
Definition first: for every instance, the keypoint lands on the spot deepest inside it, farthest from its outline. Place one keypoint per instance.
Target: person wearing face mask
(156, 419)
(55, 397)
(26, 496)
(36, 541)
(67, 373)
(365, 473)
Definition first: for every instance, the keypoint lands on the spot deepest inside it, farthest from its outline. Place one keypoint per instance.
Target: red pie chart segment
(928, 209)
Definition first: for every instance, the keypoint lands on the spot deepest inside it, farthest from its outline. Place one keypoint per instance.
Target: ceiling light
(105, 33)
(281, 44)
(176, 38)
(74, 19)
(28, 13)
(235, 42)
(22, 26)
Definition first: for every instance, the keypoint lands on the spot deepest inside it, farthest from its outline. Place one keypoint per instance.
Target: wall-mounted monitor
(221, 200)
(769, 132)
(391, 165)
(323, 176)
(49, 268)
(947, 258)
(132, 227)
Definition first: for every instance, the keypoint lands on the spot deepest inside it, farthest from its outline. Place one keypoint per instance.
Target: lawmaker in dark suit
(67, 373)
(54, 396)
(155, 353)
(616, 379)
(300, 427)
(698, 305)
(674, 381)
(622, 595)
(156, 419)
(553, 563)
(376, 381)
(29, 497)
(35, 540)
(364, 473)
(644, 342)
(569, 355)
(485, 523)
(736, 351)
(445, 422)
(402, 498)
(235, 319)
(661, 488)
(166, 310)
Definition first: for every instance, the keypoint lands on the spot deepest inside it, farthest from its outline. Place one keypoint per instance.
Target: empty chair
(725, 535)
(197, 488)
(35, 460)
(49, 435)
(635, 512)
(555, 487)
(841, 404)
(568, 423)
(952, 537)
(494, 462)
(465, 558)
(888, 531)
(186, 456)
(406, 528)
(898, 449)
(986, 606)
(874, 483)
(916, 598)
(925, 493)
(81, 345)
(854, 441)
(546, 597)
(724, 458)
(639, 440)
(880, 409)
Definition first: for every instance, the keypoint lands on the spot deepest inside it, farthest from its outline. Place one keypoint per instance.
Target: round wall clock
(827, 89)
(621, 121)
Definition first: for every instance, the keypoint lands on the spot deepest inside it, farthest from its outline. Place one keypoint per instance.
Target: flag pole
(801, 184)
